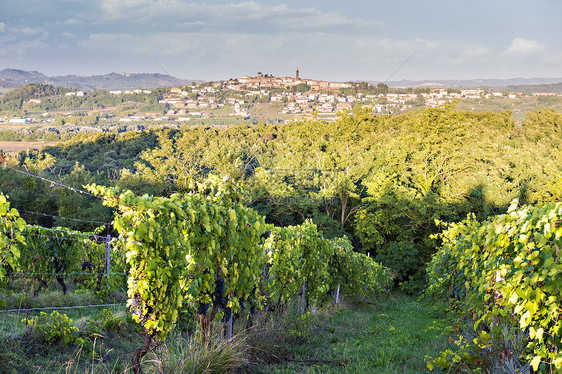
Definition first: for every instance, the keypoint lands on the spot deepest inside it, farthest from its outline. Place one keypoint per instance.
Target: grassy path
(392, 336)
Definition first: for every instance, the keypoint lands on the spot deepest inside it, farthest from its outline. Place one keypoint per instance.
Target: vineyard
(204, 250)
(206, 255)
(133, 242)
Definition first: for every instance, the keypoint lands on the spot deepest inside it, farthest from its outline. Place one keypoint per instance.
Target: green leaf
(535, 362)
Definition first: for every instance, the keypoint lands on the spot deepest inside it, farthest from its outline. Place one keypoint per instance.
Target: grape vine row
(507, 271)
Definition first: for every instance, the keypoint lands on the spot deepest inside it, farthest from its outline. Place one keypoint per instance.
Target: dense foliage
(183, 247)
(507, 271)
(206, 248)
(58, 253)
(56, 99)
(13, 100)
(380, 180)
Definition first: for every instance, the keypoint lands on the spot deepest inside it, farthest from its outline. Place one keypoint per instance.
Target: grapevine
(208, 249)
(508, 271)
(11, 238)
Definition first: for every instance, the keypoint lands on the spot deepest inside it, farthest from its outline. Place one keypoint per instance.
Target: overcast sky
(338, 40)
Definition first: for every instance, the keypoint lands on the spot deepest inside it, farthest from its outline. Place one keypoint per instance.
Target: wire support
(53, 183)
(77, 233)
(61, 217)
(23, 275)
(60, 308)
(103, 240)
(96, 237)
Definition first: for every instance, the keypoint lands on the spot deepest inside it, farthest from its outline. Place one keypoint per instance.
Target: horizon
(250, 75)
(326, 40)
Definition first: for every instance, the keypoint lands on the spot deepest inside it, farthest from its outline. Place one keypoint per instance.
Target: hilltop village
(298, 97)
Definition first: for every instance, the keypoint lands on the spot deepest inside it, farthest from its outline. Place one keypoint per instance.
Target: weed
(481, 351)
(53, 329)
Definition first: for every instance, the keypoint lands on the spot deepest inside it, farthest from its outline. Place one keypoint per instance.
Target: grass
(103, 351)
(22, 351)
(16, 297)
(187, 355)
(390, 336)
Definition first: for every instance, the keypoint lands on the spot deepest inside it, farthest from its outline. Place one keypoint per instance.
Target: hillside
(33, 91)
(528, 89)
(12, 78)
(472, 83)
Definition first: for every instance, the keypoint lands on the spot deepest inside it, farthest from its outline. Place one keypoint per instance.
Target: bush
(108, 321)
(402, 258)
(53, 329)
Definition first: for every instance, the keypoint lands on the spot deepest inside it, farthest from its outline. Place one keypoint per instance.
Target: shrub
(53, 329)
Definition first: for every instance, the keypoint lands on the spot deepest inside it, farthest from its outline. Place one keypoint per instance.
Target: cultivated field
(15, 147)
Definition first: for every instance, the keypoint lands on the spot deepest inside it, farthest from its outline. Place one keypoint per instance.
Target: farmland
(18, 146)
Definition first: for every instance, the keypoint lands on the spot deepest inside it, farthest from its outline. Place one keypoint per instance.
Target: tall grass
(94, 364)
(180, 355)
(265, 343)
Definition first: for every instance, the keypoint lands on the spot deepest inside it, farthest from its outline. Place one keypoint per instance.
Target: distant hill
(13, 78)
(528, 89)
(472, 83)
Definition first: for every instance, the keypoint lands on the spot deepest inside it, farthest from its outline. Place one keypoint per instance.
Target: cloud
(555, 57)
(521, 47)
(475, 52)
(176, 44)
(30, 31)
(23, 47)
(2, 26)
(72, 21)
(245, 15)
(118, 7)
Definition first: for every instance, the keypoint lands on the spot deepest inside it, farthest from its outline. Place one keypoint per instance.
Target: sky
(336, 40)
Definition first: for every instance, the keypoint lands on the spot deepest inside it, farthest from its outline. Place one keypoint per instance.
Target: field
(15, 147)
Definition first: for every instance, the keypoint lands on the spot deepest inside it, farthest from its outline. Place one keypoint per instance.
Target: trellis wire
(50, 236)
(53, 183)
(60, 307)
(23, 275)
(104, 239)
(62, 217)
(63, 231)
(61, 237)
